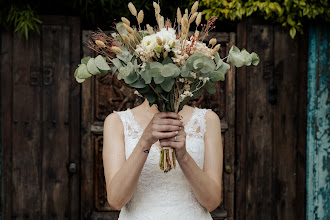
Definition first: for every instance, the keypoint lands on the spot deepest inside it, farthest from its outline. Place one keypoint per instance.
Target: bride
(134, 182)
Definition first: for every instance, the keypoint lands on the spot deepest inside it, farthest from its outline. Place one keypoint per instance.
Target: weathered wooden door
(271, 125)
(40, 109)
(104, 94)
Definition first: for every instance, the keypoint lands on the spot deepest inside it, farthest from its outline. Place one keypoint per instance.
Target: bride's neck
(153, 109)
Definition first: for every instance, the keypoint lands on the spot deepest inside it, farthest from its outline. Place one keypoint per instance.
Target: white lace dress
(159, 195)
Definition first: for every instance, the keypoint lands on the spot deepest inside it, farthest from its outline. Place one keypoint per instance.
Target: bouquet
(165, 64)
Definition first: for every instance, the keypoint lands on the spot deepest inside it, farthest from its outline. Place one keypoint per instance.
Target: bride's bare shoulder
(113, 120)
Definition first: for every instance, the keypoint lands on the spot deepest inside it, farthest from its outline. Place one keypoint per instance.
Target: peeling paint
(318, 125)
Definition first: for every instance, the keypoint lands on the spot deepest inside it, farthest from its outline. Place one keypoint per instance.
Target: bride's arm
(122, 175)
(206, 183)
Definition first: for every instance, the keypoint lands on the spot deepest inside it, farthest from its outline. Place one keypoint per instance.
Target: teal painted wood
(318, 125)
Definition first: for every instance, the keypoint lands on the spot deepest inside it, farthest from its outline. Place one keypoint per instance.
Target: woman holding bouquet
(135, 184)
(167, 67)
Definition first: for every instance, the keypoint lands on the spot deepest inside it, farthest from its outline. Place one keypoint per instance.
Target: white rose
(149, 43)
(168, 36)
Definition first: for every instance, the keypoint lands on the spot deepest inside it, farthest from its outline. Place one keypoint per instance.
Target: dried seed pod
(100, 43)
(116, 50)
(159, 41)
(156, 6)
(196, 33)
(150, 30)
(185, 16)
(194, 7)
(165, 54)
(126, 21)
(186, 12)
(132, 9)
(126, 39)
(161, 22)
(140, 17)
(179, 16)
(129, 29)
(215, 49)
(184, 22)
(213, 41)
(193, 17)
(199, 19)
(131, 36)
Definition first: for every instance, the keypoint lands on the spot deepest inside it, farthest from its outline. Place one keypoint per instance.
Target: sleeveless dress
(164, 196)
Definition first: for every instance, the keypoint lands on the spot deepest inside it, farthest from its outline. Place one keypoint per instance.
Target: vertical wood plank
(56, 81)
(285, 124)
(229, 146)
(87, 159)
(259, 145)
(241, 105)
(301, 127)
(26, 133)
(318, 123)
(74, 117)
(6, 125)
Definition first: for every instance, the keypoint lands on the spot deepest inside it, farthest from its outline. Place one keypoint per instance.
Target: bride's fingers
(168, 128)
(163, 135)
(169, 121)
(169, 115)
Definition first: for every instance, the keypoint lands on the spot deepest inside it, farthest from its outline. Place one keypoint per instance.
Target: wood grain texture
(56, 82)
(285, 124)
(6, 124)
(26, 133)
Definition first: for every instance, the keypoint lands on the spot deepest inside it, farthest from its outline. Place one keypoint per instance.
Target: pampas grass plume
(116, 50)
(140, 17)
(194, 7)
(150, 30)
(126, 21)
(199, 19)
(179, 15)
(132, 9)
(193, 17)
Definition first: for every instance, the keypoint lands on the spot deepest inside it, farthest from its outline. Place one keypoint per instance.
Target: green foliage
(24, 20)
(291, 13)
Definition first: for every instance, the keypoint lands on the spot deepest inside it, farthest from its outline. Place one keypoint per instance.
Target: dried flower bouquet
(163, 63)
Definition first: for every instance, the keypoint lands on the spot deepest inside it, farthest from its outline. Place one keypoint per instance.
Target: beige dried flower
(150, 30)
(161, 22)
(185, 16)
(165, 54)
(215, 49)
(126, 39)
(132, 9)
(186, 12)
(193, 17)
(196, 33)
(126, 21)
(131, 36)
(213, 41)
(100, 43)
(128, 28)
(116, 50)
(199, 19)
(184, 22)
(179, 15)
(156, 6)
(194, 7)
(140, 17)
(159, 41)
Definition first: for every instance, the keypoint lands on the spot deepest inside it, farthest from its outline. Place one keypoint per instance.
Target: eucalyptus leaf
(79, 80)
(139, 84)
(159, 79)
(170, 70)
(167, 60)
(85, 60)
(101, 63)
(91, 67)
(144, 74)
(116, 62)
(155, 69)
(210, 87)
(255, 59)
(167, 84)
(83, 72)
(242, 58)
(218, 60)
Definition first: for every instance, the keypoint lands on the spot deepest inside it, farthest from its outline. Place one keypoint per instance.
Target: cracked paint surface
(318, 125)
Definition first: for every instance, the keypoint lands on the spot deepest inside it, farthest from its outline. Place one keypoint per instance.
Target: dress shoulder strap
(131, 128)
(197, 124)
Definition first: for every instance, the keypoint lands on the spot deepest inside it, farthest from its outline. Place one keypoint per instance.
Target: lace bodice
(159, 195)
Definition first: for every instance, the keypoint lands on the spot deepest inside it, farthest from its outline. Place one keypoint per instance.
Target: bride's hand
(177, 142)
(163, 125)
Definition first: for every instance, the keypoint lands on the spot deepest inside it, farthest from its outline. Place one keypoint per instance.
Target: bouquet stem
(167, 159)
